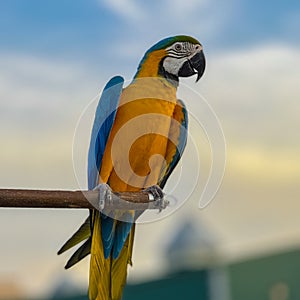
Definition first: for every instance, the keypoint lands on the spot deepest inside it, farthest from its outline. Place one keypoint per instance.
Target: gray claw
(157, 196)
(105, 194)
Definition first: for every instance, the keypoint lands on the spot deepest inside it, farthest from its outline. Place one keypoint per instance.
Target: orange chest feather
(137, 144)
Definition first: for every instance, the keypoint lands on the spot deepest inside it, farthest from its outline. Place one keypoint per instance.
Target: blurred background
(56, 56)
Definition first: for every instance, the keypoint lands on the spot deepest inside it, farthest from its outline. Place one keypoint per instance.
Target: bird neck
(152, 66)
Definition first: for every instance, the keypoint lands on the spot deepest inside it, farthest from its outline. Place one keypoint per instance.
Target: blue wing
(181, 116)
(104, 119)
(113, 233)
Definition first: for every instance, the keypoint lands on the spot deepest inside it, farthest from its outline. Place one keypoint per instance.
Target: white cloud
(29, 81)
(258, 89)
(133, 10)
(181, 9)
(129, 9)
(40, 103)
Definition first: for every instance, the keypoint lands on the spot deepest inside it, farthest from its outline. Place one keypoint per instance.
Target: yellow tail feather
(108, 276)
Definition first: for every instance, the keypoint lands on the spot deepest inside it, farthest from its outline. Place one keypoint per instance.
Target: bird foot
(156, 194)
(105, 194)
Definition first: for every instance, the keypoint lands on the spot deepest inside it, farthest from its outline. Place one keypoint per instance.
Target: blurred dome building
(192, 247)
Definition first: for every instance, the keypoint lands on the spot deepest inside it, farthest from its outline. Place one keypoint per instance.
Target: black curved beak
(194, 65)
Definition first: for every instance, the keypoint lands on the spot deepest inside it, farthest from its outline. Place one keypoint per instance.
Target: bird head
(173, 57)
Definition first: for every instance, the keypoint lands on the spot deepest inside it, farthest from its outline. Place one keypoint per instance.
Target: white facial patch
(172, 65)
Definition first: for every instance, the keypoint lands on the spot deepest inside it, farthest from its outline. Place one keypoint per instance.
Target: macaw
(157, 129)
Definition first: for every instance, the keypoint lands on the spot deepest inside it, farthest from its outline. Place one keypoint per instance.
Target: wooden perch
(74, 199)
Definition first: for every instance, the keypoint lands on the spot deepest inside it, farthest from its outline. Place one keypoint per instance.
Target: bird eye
(198, 47)
(178, 47)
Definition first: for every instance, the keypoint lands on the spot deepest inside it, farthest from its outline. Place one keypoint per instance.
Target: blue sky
(87, 30)
(55, 56)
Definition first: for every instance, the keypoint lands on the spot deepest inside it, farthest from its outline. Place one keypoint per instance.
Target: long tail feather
(80, 235)
(79, 254)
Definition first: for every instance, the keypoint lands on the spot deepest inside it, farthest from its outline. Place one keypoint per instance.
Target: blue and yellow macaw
(153, 123)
